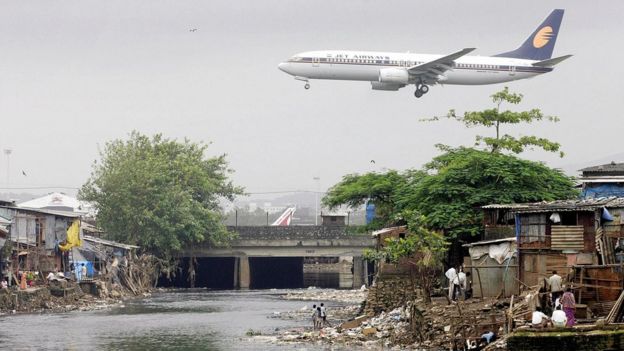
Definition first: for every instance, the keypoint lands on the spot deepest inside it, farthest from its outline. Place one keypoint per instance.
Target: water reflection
(180, 320)
(161, 341)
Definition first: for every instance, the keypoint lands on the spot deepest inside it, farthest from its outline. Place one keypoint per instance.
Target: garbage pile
(314, 294)
(437, 325)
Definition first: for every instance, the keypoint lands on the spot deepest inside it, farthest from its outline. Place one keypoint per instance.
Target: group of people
(459, 283)
(563, 304)
(319, 316)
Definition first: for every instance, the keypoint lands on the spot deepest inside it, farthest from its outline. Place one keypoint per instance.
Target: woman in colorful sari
(569, 305)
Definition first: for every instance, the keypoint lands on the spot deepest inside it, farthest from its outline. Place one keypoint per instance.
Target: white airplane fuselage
(366, 66)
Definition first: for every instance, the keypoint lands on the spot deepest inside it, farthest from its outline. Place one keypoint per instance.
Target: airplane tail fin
(539, 46)
(285, 218)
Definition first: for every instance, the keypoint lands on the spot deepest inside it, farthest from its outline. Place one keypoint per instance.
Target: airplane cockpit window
(296, 58)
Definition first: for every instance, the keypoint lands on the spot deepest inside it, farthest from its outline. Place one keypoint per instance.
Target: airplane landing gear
(304, 79)
(421, 90)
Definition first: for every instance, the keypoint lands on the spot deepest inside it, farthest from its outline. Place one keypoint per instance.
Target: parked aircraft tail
(285, 218)
(539, 46)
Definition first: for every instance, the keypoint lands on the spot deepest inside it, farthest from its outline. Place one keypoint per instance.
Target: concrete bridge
(273, 257)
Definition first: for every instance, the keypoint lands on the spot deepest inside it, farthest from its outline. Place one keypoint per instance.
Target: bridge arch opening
(210, 272)
(276, 272)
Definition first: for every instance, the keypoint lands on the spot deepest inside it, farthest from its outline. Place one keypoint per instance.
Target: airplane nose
(284, 66)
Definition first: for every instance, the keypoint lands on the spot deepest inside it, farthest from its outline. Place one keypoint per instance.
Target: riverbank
(58, 299)
(438, 324)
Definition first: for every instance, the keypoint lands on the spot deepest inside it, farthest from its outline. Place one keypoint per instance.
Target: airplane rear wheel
(424, 89)
(307, 86)
(418, 93)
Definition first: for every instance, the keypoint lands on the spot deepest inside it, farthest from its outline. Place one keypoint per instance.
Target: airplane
(392, 71)
(285, 218)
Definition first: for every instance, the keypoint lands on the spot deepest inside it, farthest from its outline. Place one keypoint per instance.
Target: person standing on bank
(569, 306)
(451, 275)
(324, 315)
(461, 278)
(314, 317)
(554, 282)
(319, 320)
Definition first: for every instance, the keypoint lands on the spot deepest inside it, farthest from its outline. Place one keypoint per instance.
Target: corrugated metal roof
(603, 179)
(609, 167)
(587, 204)
(108, 242)
(51, 212)
(488, 242)
(388, 230)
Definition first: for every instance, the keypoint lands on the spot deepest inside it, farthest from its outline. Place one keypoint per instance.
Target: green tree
(354, 190)
(495, 118)
(462, 180)
(160, 194)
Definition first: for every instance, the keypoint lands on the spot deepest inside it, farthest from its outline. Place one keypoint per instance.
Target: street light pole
(8, 152)
(316, 199)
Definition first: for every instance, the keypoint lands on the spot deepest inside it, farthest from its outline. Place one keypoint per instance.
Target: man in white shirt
(539, 319)
(559, 318)
(451, 275)
(461, 279)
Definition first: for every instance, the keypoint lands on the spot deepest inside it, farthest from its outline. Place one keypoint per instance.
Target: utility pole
(8, 152)
(316, 198)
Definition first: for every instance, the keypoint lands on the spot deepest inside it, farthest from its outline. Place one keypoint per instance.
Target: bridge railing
(294, 232)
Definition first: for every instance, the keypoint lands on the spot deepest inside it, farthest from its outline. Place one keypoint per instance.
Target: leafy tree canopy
(449, 191)
(496, 118)
(464, 179)
(380, 188)
(160, 194)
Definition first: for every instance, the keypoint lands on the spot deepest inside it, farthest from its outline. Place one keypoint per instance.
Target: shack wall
(537, 266)
(495, 278)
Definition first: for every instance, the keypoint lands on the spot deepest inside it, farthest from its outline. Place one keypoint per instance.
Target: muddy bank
(433, 326)
(61, 298)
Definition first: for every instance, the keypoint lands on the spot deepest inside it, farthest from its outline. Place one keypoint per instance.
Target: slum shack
(602, 181)
(577, 238)
(35, 236)
(381, 240)
(493, 267)
(101, 253)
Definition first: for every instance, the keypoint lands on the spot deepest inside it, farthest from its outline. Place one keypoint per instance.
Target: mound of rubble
(433, 326)
(314, 294)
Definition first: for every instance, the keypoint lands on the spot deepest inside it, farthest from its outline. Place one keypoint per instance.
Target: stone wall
(606, 339)
(388, 293)
(291, 232)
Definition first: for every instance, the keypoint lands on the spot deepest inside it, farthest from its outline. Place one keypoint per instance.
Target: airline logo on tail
(285, 218)
(542, 37)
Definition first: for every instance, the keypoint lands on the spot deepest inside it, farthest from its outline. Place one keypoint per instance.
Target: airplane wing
(432, 70)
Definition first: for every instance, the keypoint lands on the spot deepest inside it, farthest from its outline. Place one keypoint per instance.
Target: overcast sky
(76, 74)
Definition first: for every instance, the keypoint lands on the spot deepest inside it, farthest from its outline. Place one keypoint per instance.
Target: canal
(172, 320)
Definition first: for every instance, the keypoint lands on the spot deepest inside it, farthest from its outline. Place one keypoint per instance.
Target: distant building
(602, 181)
(334, 219)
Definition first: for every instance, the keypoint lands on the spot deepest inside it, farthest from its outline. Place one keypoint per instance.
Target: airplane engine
(386, 86)
(393, 75)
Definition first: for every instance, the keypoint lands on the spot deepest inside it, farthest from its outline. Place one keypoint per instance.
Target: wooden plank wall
(567, 237)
